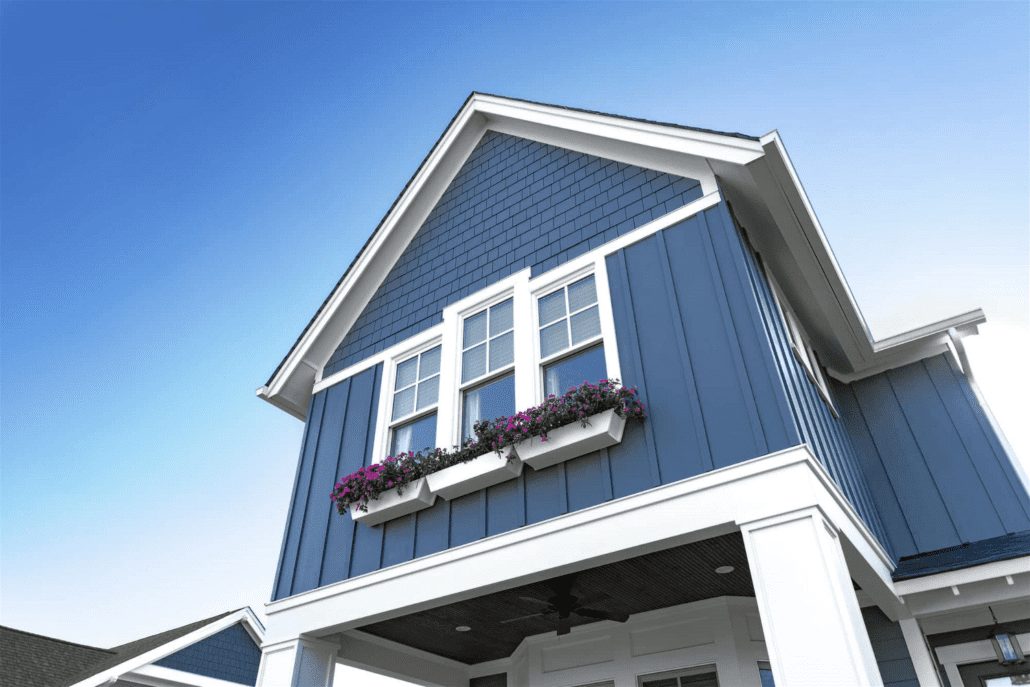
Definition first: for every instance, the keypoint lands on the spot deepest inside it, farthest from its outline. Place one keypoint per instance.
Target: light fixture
(462, 628)
(725, 569)
(1006, 645)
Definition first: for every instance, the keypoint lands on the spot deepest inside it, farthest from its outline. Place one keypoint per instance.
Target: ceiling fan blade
(564, 625)
(601, 615)
(541, 614)
(533, 599)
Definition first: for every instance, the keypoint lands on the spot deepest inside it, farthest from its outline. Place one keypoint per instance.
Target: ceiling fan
(563, 603)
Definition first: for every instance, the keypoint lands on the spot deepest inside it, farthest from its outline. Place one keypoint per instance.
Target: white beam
(813, 626)
(919, 652)
(301, 662)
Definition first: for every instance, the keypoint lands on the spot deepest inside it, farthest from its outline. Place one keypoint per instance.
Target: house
(802, 505)
(221, 651)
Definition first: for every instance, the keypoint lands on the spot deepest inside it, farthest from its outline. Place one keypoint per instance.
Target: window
(416, 389)
(569, 325)
(765, 674)
(799, 343)
(704, 676)
(487, 362)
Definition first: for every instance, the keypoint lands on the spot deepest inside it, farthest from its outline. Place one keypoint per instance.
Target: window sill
(602, 430)
(392, 504)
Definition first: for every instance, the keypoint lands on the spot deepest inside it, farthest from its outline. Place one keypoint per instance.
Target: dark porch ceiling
(666, 578)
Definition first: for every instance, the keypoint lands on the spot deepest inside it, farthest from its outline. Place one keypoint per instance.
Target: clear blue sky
(182, 184)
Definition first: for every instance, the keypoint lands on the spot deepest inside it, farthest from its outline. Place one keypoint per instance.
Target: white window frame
(559, 278)
(384, 419)
(691, 671)
(800, 343)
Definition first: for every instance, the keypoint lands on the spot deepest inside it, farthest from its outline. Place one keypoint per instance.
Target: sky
(183, 183)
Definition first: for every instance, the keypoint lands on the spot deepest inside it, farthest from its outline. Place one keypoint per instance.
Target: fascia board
(244, 615)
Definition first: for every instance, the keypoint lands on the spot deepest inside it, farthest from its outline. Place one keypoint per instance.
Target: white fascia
(692, 509)
(800, 256)
(159, 676)
(244, 615)
(980, 585)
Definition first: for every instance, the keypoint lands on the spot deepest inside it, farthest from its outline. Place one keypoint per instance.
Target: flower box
(603, 430)
(392, 504)
(478, 473)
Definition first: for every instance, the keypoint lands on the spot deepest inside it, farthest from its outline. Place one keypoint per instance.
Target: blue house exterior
(788, 462)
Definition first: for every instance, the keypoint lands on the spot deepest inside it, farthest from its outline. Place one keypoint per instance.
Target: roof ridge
(55, 639)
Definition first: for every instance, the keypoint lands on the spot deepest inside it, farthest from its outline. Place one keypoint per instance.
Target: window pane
(765, 674)
(500, 317)
(585, 325)
(430, 363)
(664, 682)
(586, 366)
(582, 294)
(502, 350)
(416, 435)
(486, 402)
(427, 392)
(552, 306)
(403, 402)
(554, 338)
(475, 329)
(406, 373)
(473, 363)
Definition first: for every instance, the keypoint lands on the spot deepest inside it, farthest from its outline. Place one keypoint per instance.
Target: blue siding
(937, 471)
(709, 378)
(515, 203)
(890, 650)
(320, 546)
(825, 434)
(229, 655)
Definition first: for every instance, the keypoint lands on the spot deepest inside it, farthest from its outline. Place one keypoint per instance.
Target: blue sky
(183, 183)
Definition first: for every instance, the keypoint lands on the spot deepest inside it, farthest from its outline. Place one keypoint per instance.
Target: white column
(922, 659)
(810, 617)
(298, 662)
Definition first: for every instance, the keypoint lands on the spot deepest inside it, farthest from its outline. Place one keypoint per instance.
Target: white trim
(954, 655)
(958, 578)
(919, 652)
(159, 676)
(688, 510)
(244, 615)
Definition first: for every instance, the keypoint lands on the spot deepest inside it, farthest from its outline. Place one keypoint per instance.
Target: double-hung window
(571, 345)
(487, 365)
(416, 390)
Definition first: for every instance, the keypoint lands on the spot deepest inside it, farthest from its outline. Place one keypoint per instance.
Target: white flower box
(479, 473)
(392, 504)
(573, 440)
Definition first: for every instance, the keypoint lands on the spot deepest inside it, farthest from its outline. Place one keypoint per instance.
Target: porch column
(922, 660)
(301, 662)
(810, 616)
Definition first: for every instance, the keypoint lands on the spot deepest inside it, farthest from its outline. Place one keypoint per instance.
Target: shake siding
(515, 203)
(230, 655)
(938, 472)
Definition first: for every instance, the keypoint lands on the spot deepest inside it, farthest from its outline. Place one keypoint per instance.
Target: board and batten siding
(690, 336)
(938, 473)
(515, 203)
(816, 424)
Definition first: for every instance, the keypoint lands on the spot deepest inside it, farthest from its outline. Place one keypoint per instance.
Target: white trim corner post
(302, 662)
(810, 615)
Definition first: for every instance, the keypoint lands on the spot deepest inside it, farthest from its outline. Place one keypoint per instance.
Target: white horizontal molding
(159, 676)
(689, 510)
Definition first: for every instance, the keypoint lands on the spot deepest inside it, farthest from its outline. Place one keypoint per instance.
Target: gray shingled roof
(1005, 547)
(31, 660)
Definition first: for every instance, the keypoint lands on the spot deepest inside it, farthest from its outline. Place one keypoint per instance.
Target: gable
(230, 655)
(515, 203)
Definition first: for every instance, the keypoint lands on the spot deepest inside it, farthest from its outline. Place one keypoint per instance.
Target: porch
(742, 575)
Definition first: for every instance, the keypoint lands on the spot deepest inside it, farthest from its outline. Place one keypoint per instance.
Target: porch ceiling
(645, 583)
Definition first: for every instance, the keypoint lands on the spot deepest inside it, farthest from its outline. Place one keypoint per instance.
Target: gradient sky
(183, 183)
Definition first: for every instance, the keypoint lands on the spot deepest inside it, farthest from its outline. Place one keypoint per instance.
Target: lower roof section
(1001, 548)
